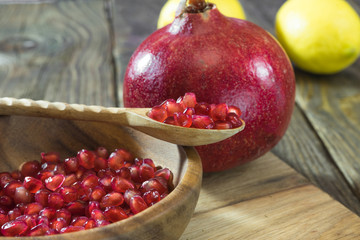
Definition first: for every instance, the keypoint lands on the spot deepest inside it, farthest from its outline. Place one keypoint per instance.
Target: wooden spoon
(132, 117)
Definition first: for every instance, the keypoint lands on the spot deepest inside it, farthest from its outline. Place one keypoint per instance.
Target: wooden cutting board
(267, 199)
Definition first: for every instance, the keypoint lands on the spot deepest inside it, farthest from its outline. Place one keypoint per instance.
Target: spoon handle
(40, 108)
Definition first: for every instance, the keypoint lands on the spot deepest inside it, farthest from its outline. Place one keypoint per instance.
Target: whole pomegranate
(221, 60)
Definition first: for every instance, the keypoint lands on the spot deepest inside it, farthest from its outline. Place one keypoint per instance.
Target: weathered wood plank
(57, 50)
(134, 20)
(299, 213)
(309, 151)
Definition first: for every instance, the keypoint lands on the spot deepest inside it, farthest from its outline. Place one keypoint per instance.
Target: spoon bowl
(132, 117)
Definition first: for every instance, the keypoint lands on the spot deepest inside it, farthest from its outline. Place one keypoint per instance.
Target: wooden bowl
(24, 138)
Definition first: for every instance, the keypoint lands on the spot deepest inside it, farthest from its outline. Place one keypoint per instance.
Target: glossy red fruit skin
(247, 69)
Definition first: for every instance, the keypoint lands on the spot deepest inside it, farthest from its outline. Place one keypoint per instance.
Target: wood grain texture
(314, 145)
(267, 200)
(56, 50)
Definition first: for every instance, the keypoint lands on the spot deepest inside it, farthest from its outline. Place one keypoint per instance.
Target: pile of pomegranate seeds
(187, 112)
(93, 189)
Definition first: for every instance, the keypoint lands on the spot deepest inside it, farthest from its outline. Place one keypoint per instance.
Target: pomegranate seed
(170, 120)
(91, 223)
(71, 164)
(234, 109)
(116, 161)
(14, 228)
(182, 119)
(202, 108)
(42, 196)
(6, 201)
(219, 112)
(159, 184)
(91, 206)
(16, 175)
(149, 162)
(5, 178)
(114, 214)
(76, 208)
(135, 173)
(90, 181)
(55, 200)
(234, 120)
(101, 223)
(86, 159)
(166, 174)
(70, 229)
(158, 113)
(97, 214)
(102, 152)
(151, 197)
(30, 168)
(79, 221)
(111, 199)
(50, 157)
(100, 163)
(105, 182)
(33, 208)
(22, 195)
(48, 212)
(39, 230)
(69, 194)
(69, 180)
(202, 121)
(108, 172)
(42, 219)
(30, 220)
(189, 111)
(55, 182)
(222, 125)
(84, 193)
(146, 172)
(63, 213)
(97, 193)
(10, 188)
(189, 100)
(14, 213)
(120, 184)
(44, 174)
(124, 172)
(32, 184)
(129, 194)
(172, 107)
(137, 204)
(3, 218)
(58, 223)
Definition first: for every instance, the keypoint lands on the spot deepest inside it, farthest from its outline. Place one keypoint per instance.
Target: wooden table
(77, 51)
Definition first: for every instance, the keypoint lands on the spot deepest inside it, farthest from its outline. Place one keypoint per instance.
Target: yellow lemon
(230, 8)
(320, 36)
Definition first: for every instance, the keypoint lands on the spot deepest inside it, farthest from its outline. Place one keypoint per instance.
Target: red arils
(187, 112)
(112, 199)
(86, 159)
(158, 113)
(32, 184)
(91, 190)
(137, 204)
(54, 182)
(14, 228)
(30, 168)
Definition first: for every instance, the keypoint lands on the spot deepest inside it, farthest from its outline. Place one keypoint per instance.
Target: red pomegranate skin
(221, 60)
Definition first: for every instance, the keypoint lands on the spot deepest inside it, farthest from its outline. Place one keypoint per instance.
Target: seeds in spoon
(187, 112)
